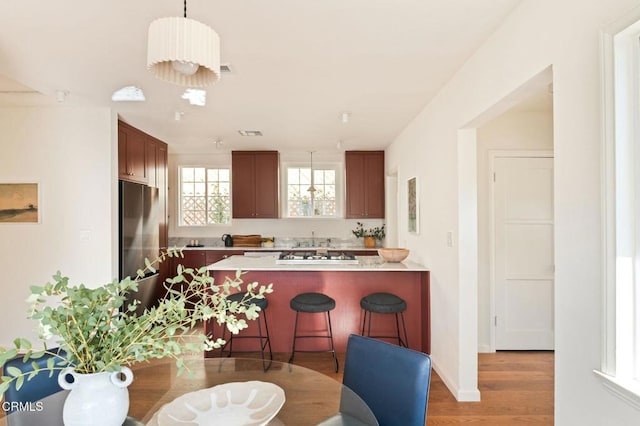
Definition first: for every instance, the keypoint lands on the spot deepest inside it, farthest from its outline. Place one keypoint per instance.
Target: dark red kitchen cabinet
(254, 182)
(364, 172)
(132, 161)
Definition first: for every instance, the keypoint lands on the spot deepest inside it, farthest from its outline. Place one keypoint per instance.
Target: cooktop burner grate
(330, 257)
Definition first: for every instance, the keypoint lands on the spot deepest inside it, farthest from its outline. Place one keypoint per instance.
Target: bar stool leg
(265, 366)
(398, 330)
(295, 334)
(333, 351)
(404, 328)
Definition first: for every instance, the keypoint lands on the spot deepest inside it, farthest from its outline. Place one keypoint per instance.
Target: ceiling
(296, 65)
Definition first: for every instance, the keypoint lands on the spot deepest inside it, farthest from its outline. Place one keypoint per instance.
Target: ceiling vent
(250, 132)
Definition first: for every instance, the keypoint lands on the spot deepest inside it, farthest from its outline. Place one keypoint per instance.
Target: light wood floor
(516, 389)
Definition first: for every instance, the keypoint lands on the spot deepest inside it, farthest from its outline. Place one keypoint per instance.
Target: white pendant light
(311, 189)
(183, 51)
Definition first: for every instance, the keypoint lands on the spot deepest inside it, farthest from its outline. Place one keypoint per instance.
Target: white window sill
(626, 390)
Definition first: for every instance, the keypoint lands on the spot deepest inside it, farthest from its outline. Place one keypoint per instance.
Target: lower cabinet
(198, 258)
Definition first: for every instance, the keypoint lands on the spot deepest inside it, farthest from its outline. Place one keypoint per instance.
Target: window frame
(620, 365)
(324, 165)
(179, 222)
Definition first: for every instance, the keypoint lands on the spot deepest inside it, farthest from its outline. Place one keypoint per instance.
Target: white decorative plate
(231, 404)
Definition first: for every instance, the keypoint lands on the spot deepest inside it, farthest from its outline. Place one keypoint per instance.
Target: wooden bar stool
(263, 338)
(313, 303)
(385, 303)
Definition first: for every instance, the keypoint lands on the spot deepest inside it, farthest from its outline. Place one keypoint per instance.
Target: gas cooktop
(314, 258)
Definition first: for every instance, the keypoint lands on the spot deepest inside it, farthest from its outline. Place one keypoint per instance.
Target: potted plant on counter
(370, 235)
(100, 333)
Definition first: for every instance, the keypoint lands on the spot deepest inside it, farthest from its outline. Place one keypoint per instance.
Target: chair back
(39, 399)
(392, 380)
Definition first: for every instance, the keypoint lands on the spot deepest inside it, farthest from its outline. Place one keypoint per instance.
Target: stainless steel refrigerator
(139, 237)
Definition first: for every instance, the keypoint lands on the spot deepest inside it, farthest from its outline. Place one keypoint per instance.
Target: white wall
(538, 34)
(70, 152)
(512, 131)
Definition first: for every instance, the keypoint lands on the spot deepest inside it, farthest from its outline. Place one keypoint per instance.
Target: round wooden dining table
(310, 396)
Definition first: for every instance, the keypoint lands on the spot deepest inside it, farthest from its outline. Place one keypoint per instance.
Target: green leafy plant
(378, 232)
(99, 330)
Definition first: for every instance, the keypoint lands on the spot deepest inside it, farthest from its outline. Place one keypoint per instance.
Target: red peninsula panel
(347, 288)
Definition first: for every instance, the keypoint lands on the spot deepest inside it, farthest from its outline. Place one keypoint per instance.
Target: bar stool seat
(385, 303)
(313, 303)
(264, 339)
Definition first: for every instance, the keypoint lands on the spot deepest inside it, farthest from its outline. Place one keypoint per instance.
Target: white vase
(99, 399)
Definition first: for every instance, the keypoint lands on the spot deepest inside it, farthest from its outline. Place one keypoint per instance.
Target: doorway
(522, 121)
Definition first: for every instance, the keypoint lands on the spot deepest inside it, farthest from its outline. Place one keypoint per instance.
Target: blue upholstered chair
(39, 401)
(393, 380)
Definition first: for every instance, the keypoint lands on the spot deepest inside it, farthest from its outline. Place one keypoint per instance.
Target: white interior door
(523, 260)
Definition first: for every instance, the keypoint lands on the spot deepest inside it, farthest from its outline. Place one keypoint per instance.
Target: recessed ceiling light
(61, 95)
(250, 132)
(128, 94)
(195, 96)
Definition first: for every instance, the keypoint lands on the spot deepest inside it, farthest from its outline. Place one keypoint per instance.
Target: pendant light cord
(185, 8)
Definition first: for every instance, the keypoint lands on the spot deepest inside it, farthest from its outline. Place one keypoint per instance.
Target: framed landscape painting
(19, 203)
(412, 205)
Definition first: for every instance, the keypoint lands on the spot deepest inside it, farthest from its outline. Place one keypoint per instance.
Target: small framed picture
(412, 205)
(19, 203)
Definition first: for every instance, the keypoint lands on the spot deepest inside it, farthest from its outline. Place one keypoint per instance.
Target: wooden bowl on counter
(393, 255)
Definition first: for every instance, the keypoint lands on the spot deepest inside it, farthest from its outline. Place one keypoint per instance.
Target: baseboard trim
(461, 395)
(485, 349)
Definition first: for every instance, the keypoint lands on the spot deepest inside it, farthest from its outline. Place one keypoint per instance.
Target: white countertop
(268, 263)
(345, 249)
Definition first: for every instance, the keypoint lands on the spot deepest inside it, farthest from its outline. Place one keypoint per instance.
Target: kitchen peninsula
(346, 283)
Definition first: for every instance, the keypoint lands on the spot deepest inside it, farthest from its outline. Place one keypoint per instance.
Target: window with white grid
(204, 196)
(321, 201)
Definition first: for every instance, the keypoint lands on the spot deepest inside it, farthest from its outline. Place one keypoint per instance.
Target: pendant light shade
(311, 189)
(184, 52)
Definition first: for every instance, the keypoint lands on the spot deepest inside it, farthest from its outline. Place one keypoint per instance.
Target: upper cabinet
(132, 163)
(139, 156)
(364, 184)
(254, 182)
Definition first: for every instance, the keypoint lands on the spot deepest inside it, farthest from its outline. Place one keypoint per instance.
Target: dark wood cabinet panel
(266, 185)
(242, 184)
(354, 178)
(132, 162)
(254, 182)
(364, 172)
(192, 259)
(162, 181)
(151, 161)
